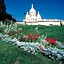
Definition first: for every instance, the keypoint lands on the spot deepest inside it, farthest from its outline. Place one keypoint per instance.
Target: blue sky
(49, 9)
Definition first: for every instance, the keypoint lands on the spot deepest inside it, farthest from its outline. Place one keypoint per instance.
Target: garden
(23, 44)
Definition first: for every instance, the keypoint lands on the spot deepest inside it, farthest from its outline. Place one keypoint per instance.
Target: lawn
(51, 31)
(11, 54)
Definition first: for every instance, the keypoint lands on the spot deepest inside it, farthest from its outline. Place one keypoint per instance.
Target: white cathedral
(32, 18)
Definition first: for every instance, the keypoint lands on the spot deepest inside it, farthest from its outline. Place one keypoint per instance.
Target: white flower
(59, 56)
(18, 43)
(14, 40)
(20, 29)
(42, 35)
(25, 49)
(1, 35)
(36, 28)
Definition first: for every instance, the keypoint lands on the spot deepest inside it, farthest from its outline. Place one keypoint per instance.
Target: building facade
(32, 18)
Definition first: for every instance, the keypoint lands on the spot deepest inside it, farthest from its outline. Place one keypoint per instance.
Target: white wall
(41, 23)
(49, 23)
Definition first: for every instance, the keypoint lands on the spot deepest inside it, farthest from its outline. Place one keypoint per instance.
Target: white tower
(39, 17)
(27, 17)
(32, 14)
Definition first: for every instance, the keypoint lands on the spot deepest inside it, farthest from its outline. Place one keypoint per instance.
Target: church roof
(38, 15)
(32, 10)
(27, 15)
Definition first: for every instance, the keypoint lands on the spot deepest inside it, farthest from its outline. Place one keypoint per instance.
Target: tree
(3, 14)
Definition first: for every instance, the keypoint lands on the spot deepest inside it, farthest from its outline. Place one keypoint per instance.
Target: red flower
(31, 37)
(16, 32)
(47, 40)
(24, 39)
(42, 48)
(28, 34)
(54, 42)
(35, 36)
(9, 32)
(55, 39)
(51, 41)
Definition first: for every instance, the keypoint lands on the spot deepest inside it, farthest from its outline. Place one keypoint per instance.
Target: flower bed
(33, 43)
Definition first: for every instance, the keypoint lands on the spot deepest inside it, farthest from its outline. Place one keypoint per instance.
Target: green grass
(10, 54)
(51, 31)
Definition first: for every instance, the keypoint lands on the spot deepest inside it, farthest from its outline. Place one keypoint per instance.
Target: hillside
(10, 54)
(51, 31)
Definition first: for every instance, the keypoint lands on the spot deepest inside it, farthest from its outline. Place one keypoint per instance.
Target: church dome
(32, 10)
(38, 15)
(27, 15)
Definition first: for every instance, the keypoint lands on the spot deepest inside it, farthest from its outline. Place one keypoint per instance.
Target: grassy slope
(10, 54)
(51, 31)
